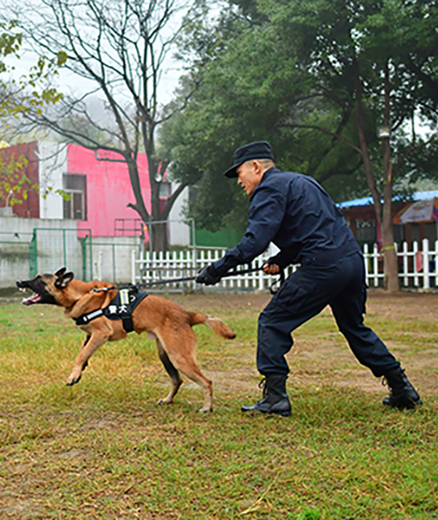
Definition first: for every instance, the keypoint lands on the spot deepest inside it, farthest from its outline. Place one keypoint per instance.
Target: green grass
(104, 449)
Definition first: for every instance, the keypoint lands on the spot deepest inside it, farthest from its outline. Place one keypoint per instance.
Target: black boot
(403, 394)
(275, 399)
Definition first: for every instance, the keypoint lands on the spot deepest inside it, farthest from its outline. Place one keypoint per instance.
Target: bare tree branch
(120, 48)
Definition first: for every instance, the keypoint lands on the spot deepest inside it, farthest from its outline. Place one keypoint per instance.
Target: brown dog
(167, 322)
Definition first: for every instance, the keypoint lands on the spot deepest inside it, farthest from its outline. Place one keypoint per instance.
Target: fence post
(261, 280)
(366, 262)
(133, 262)
(194, 262)
(33, 255)
(435, 263)
(426, 281)
(99, 265)
(405, 264)
(415, 251)
(376, 265)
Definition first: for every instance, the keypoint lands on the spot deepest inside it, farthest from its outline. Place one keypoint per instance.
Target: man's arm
(282, 259)
(265, 217)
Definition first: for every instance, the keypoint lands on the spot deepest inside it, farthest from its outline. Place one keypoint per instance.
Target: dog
(91, 305)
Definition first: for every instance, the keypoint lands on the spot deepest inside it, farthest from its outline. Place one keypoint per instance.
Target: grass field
(104, 449)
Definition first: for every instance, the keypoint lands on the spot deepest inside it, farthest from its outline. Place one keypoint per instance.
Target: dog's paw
(206, 410)
(73, 379)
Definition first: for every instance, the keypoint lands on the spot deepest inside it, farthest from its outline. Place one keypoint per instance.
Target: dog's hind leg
(181, 348)
(193, 372)
(175, 378)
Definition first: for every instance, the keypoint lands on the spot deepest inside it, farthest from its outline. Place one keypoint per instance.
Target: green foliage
(14, 183)
(17, 96)
(10, 42)
(293, 72)
(30, 89)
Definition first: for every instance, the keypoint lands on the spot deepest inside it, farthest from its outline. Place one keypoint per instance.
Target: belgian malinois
(168, 323)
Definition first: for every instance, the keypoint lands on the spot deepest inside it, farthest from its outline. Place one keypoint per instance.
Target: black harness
(120, 308)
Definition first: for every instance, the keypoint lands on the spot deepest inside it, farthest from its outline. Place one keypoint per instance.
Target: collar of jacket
(267, 172)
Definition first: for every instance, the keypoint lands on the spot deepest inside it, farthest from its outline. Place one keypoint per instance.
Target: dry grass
(104, 449)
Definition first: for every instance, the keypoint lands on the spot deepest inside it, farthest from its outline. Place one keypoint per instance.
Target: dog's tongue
(35, 298)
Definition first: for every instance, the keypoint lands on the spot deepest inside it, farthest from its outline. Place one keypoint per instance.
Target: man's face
(249, 175)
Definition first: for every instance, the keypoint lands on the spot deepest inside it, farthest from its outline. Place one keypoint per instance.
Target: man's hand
(207, 275)
(271, 268)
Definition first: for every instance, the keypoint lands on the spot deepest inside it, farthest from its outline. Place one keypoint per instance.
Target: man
(296, 214)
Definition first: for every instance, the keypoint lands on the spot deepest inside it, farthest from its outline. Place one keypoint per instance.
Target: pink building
(98, 184)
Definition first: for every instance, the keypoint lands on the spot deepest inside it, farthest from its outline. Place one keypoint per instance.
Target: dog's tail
(215, 324)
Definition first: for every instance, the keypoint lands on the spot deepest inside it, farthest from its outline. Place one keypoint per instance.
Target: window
(75, 207)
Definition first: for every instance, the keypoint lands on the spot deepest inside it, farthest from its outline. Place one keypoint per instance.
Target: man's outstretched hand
(271, 268)
(207, 275)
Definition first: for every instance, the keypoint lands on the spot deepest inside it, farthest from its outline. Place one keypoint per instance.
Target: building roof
(368, 201)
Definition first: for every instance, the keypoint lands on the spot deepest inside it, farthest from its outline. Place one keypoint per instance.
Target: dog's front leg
(86, 340)
(88, 348)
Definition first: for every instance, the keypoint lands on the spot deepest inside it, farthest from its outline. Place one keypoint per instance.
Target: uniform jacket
(295, 213)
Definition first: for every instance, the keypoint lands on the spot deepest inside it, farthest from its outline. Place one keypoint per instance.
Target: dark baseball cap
(256, 150)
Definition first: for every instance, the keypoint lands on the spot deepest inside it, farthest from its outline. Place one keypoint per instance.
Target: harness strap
(86, 318)
(120, 308)
(128, 324)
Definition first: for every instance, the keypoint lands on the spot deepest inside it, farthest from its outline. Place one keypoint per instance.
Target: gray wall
(108, 258)
(15, 235)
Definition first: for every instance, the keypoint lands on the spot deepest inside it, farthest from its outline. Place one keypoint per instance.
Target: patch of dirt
(312, 364)
(313, 360)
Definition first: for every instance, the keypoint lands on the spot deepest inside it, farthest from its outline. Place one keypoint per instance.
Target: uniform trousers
(304, 294)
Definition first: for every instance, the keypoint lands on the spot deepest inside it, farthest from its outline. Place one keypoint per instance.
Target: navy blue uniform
(298, 216)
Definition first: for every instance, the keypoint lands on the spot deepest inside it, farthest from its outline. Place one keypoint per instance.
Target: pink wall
(108, 188)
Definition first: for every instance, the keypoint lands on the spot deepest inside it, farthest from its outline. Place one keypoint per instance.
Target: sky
(68, 82)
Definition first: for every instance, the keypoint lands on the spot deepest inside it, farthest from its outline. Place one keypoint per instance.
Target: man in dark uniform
(297, 215)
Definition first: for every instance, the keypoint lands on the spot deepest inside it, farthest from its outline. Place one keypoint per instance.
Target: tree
(359, 56)
(27, 92)
(323, 76)
(118, 47)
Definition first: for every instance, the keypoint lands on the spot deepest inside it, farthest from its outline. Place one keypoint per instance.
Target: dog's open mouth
(35, 298)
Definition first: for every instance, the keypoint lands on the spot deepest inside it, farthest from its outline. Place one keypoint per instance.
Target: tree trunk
(389, 254)
(139, 205)
(383, 211)
(390, 262)
(158, 236)
(157, 227)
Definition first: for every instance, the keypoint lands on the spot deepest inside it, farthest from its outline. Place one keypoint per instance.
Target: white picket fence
(417, 269)
(417, 266)
(158, 266)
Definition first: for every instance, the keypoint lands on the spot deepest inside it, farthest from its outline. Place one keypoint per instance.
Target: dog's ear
(60, 272)
(61, 283)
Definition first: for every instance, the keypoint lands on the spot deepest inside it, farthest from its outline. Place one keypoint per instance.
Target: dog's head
(47, 288)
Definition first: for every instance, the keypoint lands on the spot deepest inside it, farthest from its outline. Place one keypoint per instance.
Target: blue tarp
(368, 201)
